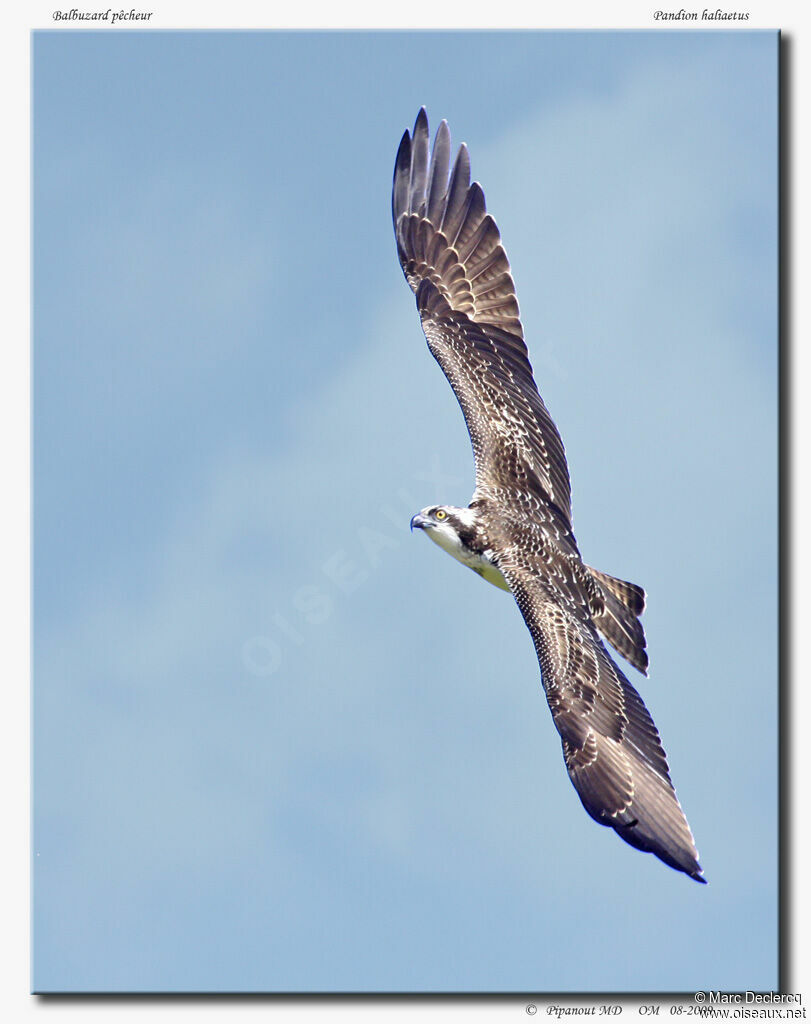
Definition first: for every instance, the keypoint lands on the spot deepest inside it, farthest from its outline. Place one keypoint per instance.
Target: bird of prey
(517, 530)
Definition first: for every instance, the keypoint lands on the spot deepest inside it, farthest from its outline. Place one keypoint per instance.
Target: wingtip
(402, 165)
(477, 192)
(403, 148)
(443, 133)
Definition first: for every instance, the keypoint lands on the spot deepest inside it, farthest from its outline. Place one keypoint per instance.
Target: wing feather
(419, 165)
(438, 176)
(451, 254)
(513, 436)
(611, 746)
(458, 186)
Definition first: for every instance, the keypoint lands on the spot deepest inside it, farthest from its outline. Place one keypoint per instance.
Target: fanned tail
(619, 623)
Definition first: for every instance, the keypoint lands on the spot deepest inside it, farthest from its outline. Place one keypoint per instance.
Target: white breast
(448, 540)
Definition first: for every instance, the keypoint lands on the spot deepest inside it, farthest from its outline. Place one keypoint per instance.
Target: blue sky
(279, 743)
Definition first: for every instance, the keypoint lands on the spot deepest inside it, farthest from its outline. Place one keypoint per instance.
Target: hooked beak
(419, 521)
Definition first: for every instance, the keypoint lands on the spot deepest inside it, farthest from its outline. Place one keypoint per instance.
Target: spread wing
(610, 744)
(451, 253)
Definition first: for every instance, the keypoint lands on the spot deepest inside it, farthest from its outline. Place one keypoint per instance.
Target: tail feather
(619, 622)
(629, 594)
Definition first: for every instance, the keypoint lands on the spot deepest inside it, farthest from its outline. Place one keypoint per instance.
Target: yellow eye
(440, 514)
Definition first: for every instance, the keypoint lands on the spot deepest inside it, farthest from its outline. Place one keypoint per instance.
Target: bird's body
(517, 531)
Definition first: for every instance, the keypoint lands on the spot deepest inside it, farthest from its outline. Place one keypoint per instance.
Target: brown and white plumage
(517, 531)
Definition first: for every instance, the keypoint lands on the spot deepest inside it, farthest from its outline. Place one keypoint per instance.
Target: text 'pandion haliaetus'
(517, 530)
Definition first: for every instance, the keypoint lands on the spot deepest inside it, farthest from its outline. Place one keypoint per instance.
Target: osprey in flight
(517, 530)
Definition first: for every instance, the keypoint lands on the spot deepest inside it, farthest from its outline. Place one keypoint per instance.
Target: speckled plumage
(520, 515)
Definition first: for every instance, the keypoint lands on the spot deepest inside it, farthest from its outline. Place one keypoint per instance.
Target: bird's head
(444, 524)
(432, 518)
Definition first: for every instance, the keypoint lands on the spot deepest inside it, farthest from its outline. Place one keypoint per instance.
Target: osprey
(517, 531)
